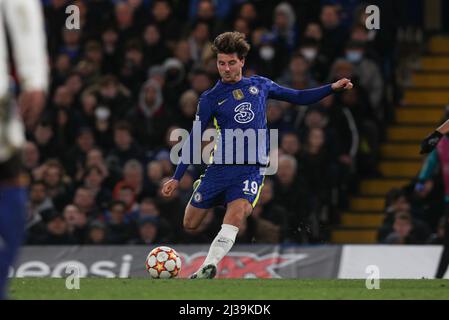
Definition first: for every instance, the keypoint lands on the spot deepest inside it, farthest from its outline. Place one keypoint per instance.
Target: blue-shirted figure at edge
(23, 20)
(234, 102)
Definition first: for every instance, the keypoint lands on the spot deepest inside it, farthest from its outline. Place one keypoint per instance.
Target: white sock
(222, 243)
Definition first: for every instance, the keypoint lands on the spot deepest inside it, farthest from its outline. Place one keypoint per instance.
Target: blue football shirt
(238, 111)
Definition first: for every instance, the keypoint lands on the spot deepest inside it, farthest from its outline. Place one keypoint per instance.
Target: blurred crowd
(134, 71)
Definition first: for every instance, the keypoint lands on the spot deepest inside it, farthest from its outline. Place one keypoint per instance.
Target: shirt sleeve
(192, 146)
(301, 97)
(24, 19)
(429, 166)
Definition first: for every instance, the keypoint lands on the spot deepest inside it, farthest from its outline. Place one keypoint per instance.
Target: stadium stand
(133, 73)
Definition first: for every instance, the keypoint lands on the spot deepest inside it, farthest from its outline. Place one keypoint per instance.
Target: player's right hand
(342, 84)
(169, 187)
(430, 142)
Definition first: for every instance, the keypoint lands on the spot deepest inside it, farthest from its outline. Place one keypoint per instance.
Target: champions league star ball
(163, 263)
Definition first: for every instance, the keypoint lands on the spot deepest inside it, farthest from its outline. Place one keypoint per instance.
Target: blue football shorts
(221, 184)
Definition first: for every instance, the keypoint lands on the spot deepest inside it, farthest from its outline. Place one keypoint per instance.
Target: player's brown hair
(231, 42)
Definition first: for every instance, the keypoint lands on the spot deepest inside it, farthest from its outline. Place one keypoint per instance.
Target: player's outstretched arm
(307, 96)
(431, 141)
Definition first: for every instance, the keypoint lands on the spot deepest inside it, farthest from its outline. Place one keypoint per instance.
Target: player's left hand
(31, 104)
(342, 84)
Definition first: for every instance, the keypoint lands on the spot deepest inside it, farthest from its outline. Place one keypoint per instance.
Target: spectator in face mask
(269, 57)
(361, 35)
(277, 45)
(309, 50)
(368, 74)
(319, 60)
(311, 40)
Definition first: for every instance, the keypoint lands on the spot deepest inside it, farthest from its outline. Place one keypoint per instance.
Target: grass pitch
(226, 289)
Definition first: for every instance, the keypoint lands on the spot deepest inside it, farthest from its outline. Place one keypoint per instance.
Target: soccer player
(438, 155)
(24, 22)
(235, 102)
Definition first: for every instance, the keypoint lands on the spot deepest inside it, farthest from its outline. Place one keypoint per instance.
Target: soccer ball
(163, 263)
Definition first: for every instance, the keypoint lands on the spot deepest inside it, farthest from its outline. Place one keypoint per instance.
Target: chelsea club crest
(197, 197)
(253, 90)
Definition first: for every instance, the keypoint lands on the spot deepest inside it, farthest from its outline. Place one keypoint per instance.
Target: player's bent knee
(244, 209)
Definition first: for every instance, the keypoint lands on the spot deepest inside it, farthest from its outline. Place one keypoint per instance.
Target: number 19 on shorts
(250, 186)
